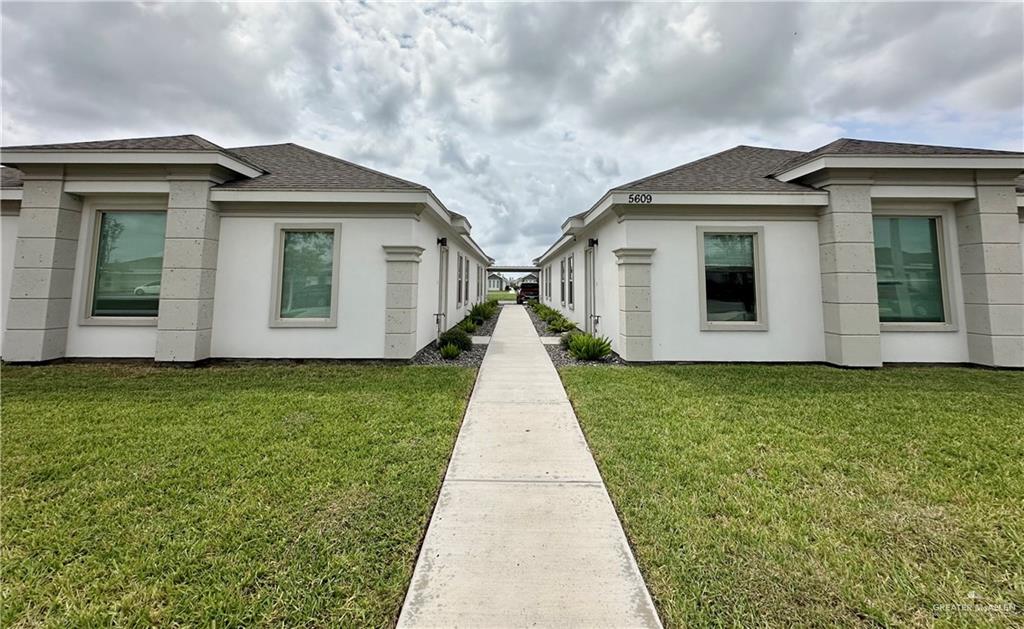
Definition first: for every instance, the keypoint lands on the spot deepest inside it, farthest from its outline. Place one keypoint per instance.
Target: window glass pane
(129, 260)
(307, 271)
(729, 277)
(907, 266)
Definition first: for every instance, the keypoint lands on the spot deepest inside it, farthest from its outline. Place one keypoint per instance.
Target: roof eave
(944, 162)
(18, 157)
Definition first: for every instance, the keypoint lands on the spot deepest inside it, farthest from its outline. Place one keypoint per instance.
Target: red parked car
(527, 291)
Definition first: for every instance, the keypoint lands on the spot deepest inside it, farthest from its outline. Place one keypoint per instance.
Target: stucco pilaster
(635, 322)
(846, 251)
(402, 289)
(992, 275)
(39, 306)
(185, 322)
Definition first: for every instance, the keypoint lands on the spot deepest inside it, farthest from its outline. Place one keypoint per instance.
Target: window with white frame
(572, 280)
(458, 280)
(465, 280)
(549, 282)
(910, 273)
(732, 285)
(128, 256)
(562, 279)
(306, 265)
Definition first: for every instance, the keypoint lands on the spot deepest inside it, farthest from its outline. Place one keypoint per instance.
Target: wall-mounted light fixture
(443, 242)
(592, 242)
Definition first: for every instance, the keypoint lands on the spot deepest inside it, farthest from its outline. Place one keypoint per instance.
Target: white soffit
(945, 162)
(949, 193)
(130, 157)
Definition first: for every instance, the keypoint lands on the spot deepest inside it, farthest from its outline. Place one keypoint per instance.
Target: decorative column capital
(633, 255)
(402, 253)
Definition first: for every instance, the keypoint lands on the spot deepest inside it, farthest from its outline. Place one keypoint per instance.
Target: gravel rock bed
(539, 324)
(487, 327)
(561, 358)
(429, 355)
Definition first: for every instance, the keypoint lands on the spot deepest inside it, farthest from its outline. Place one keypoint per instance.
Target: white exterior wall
(427, 231)
(611, 235)
(97, 340)
(8, 235)
(245, 280)
(935, 347)
(791, 278)
(796, 330)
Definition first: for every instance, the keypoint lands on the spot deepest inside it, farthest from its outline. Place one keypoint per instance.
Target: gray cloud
(517, 115)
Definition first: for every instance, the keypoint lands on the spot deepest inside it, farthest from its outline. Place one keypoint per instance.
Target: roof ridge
(668, 170)
(355, 165)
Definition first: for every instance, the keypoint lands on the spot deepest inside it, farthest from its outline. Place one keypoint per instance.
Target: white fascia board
(945, 162)
(456, 222)
(130, 157)
(325, 196)
(722, 198)
(949, 193)
(14, 194)
(553, 249)
(621, 198)
(424, 197)
(115, 187)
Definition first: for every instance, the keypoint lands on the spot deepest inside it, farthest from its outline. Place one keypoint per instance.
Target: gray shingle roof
(849, 146)
(169, 143)
(739, 169)
(161, 143)
(293, 167)
(10, 177)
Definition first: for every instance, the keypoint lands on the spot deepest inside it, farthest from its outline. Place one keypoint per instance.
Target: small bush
(561, 324)
(450, 351)
(584, 346)
(568, 337)
(457, 337)
(483, 311)
(468, 325)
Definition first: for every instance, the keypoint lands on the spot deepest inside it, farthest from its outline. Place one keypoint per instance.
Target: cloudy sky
(516, 115)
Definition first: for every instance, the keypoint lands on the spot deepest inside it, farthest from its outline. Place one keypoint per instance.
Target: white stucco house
(496, 282)
(858, 253)
(176, 249)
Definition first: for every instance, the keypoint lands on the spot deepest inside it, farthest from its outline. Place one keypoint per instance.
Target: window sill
(917, 327)
(303, 323)
(730, 326)
(119, 321)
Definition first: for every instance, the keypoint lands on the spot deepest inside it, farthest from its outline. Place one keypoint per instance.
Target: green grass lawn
(225, 496)
(502, 295)
(813, 496)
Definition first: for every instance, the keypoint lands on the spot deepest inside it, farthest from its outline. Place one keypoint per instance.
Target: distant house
(496, 282)
(529, 278)
(176, 249)
(858, 253)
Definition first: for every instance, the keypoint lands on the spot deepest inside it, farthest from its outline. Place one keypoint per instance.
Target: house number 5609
(640, 198)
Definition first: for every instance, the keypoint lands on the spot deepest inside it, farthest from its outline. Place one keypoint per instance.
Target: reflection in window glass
(908, 271)
(729, 277)
(307, 272)
(129, 261)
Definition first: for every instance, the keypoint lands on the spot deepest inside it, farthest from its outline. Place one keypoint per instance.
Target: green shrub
(584, 346)
(568, 337)
(468, 325)
(450, 351)
(484, 310)
(561, 324)
(457, 337)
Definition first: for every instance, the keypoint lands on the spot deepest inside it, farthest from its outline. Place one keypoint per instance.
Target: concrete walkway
(524, 533)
